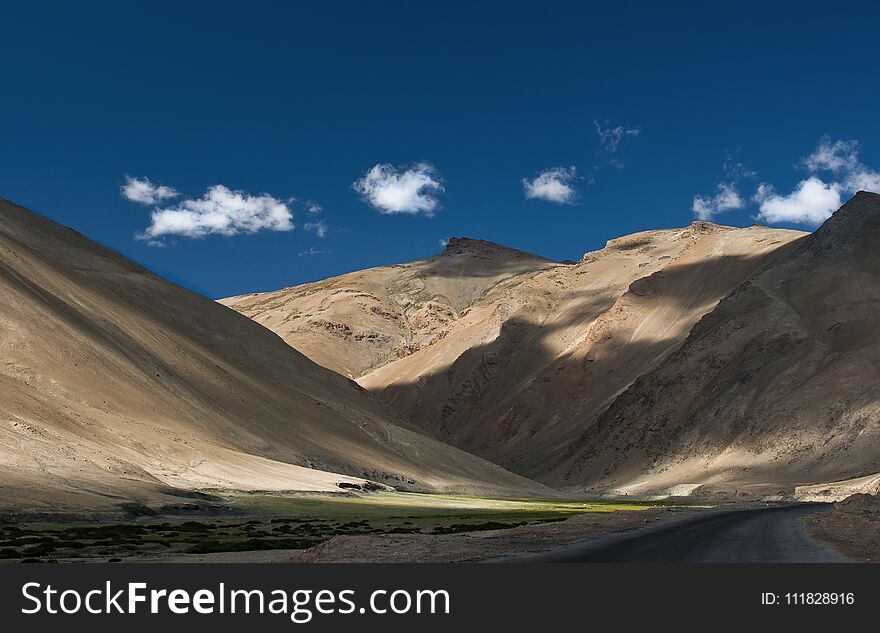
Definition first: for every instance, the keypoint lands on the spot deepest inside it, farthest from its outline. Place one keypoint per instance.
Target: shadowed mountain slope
(118, 386)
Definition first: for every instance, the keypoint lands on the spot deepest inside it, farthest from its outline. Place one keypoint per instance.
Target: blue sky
(461, 110)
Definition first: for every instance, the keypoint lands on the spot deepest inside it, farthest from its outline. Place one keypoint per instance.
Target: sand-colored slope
(362, 320)
(118, 386)
(536, 359)
(778, 386)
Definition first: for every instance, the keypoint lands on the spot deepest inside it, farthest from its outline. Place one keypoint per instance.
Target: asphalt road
(764, 535)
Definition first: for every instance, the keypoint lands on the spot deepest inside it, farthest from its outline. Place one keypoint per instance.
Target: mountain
(778, 386)
(357, 322)
(524, 364)
(120, 387)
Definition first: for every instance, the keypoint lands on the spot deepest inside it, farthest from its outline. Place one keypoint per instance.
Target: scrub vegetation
(273, 522)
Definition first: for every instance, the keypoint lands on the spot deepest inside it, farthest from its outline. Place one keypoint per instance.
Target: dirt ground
(482, 546)
(852, 528)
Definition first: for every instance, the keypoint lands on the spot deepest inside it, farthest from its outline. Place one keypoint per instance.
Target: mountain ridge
(120, 387)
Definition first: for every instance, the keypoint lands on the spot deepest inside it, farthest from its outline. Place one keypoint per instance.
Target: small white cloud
(554, 185)
(812, 202)
(310, 252)
(390, 190)
(726, 198)
(221, 211)
(313, 207)
(142, 190)
(611, 137)
(319, 228)
(444, 242)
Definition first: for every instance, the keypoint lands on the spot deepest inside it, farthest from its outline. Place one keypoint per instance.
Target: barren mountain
(357, 322)
(780, 384)
(118, 386)
(532, 363)
(519, 370)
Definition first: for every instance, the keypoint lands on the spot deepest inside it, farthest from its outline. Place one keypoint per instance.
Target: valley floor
(400, 527)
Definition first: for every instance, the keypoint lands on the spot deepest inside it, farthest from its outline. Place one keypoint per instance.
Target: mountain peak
(866, 194)
(853, 226)
(457, 246)
(704, 226)
(460, 245)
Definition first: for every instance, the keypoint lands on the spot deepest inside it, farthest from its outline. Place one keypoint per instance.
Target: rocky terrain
(852, 527)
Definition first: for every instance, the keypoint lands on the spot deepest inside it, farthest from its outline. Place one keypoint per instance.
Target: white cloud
(312, 251)
(443, 242)
(319, 228)
(833, 156)
(142, 190)
(221, 211)
(863, 180)
(390, 190)
(313, 207)
(726, 198)
(554, 185)
(812, 202)
(611, 137)
(842, 159)
(816, 198)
